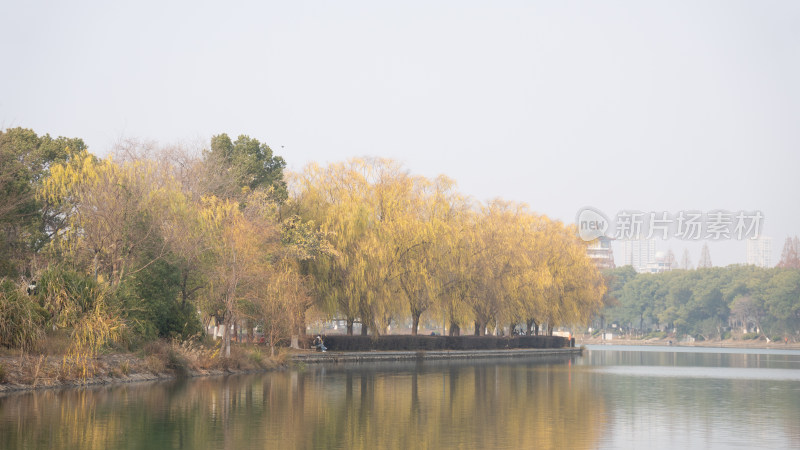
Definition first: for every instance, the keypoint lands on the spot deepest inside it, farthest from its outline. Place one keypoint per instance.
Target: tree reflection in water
(464, 404)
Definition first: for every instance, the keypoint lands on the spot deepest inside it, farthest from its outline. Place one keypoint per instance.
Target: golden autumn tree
(422, 240)
(497, 263)
(278, 300)
(115, 213)
(405, 245)
(234, 263)
(340, 199)
(573, 288)
(117, 218)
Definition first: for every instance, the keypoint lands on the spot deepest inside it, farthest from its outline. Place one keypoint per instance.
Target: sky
(621, 105)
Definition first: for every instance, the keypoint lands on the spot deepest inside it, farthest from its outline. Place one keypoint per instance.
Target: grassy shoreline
(159, 360)
(165, 361)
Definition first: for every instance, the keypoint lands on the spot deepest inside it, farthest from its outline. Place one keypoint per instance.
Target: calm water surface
(611, 397)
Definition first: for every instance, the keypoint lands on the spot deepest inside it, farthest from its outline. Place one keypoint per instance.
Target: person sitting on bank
(319, 344)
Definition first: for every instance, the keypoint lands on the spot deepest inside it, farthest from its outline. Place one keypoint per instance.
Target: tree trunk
(349, 326)
(364, 328)
(480, 328)
(455, 330)
(226, 335)
(529, 327)
(301, 326)
(415, 323)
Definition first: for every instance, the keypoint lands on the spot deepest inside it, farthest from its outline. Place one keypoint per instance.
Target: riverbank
(724, 343)
(157, 361)
(21, 372)
(34, 372)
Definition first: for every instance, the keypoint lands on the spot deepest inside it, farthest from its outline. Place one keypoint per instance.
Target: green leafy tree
(235, 167)
(783, 298)
(615, 280)
(26, 222)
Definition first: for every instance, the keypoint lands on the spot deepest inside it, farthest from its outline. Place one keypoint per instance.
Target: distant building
(599, 251)
(639, 253)
(659, 264)
(759, 251)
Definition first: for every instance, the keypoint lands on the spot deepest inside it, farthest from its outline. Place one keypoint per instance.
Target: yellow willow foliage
(407, 244)
(112, 211)
(234, 264)
(575, 289)
(279, 302)
(496, 262)
(422, 241)
(230, 247)
(350, 201)
(90, 334)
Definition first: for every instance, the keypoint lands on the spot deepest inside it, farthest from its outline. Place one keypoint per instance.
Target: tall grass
(21, 318)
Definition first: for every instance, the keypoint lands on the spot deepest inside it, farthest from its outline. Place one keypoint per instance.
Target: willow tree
(574, 288)
(423, 242)
(407, 245)
(532, 275)
(492, 262)
(115, 213)
(337, 198)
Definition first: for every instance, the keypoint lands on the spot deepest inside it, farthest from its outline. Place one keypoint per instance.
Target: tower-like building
(599, 251)
(759, 251)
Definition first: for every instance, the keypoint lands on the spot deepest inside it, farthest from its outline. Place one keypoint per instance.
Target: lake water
(611, 397)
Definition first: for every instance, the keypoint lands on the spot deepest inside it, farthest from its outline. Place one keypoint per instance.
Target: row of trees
(133, 246)
(405, 246)
(706, 303)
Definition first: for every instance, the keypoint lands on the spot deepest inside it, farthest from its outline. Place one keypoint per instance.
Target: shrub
(151, 297)
(177, 362)
(155, 364)
(256, 357)
(423, 343)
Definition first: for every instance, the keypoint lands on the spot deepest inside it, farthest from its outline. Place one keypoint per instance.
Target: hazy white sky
(655, 106)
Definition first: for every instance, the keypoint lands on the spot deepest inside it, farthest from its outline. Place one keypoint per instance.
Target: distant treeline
(736, 301)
